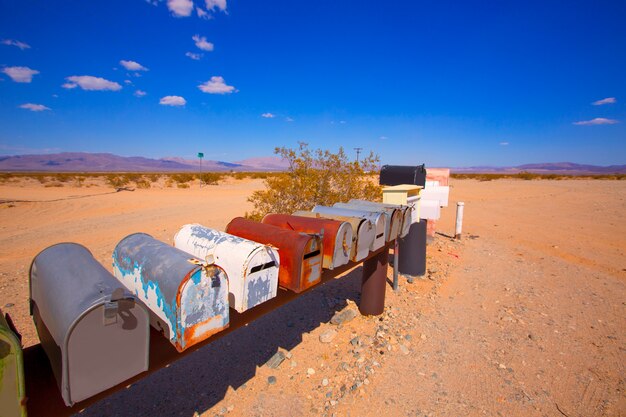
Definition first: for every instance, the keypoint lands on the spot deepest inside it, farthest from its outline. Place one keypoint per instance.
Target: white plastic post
(459, 220)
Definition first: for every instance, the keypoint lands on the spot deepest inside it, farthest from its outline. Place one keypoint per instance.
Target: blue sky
(446, 83)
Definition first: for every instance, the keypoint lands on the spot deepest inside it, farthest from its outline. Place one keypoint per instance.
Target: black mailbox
(403, 174)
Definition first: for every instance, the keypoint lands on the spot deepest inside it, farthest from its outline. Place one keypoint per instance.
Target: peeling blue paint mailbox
(94, 332)
(187, 297)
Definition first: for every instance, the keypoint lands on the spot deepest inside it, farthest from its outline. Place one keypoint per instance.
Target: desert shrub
(143, 183)
(240, 175)
(116, 181)
(210, 178)
(53, 184)
(182, 185)
(315, 177)
(182, 178)
(153, 177)
(63, 177)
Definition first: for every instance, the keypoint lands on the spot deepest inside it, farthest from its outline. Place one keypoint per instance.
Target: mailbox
(95, 334)
(377, 219)
(406, 212)
(252, 268)
(393, 217)
(404, 194)
(187, 297)
(300, 253)
(401, 174)
(363, 232)
(12, 392)
(336, 235)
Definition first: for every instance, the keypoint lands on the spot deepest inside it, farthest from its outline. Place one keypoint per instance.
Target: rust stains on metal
(300, 254)
(336, 240)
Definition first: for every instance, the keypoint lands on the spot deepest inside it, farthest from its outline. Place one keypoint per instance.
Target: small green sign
(200, 155)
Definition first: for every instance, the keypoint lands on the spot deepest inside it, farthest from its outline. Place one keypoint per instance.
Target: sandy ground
(525, 316)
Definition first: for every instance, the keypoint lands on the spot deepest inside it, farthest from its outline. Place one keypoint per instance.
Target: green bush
(315, 177)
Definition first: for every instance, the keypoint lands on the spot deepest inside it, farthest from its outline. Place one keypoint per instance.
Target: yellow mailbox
(404, 194)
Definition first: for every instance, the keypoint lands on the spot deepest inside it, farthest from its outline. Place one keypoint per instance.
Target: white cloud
(90, 83)
(383, 138)
(128, 82)
(203, 14)
(202, 43)
(343, 122)
(596, 121)
(213, 4)
(34, 107)
(13, 42)
(133, 66)
(180, 8)
(139, 93)
(289, 119)
(216, 85)
(195, 57)
(173, 101)
(268, 115)
(504, 143)
(608, 100)
(20, 74)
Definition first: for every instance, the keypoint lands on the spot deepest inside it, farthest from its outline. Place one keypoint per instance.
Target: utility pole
(358, 152)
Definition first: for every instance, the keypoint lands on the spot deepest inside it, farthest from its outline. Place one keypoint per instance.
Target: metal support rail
(44, 398)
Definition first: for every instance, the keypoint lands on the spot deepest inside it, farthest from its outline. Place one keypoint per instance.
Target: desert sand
(525, 316)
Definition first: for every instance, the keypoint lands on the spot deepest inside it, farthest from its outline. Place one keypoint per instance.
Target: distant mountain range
(545, 168)
(106, 162)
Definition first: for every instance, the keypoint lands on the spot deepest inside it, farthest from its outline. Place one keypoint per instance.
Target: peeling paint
(248, 264)
(190, 300)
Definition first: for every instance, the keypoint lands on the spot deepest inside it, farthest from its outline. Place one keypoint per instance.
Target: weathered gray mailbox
(187, 296)
(377, 218)
(95, 333)
(393, 217)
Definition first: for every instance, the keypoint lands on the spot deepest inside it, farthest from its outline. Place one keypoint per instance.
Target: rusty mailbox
(336, 235)
(95, 333)
(393, 217)
(12, 391)
(405, 210)
(187, 297)
(300, 253)
(377, 218)
(363, 232)
(252, 268)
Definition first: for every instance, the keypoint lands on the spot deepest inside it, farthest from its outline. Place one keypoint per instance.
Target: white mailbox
(252, 268)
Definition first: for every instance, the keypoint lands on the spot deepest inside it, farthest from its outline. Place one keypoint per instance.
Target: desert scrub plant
(210, 178)
(116, 181)
(143, 183)
(182, 185)
(182, 178)
(315, 177)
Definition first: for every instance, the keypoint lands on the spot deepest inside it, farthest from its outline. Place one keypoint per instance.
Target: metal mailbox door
(406, 211)
(12, 392)
(300, 254)
(252, 268)
(95, 334)
(377, 219)
(362, 237)
(187, 298)
(393, 217)
(336, 240)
